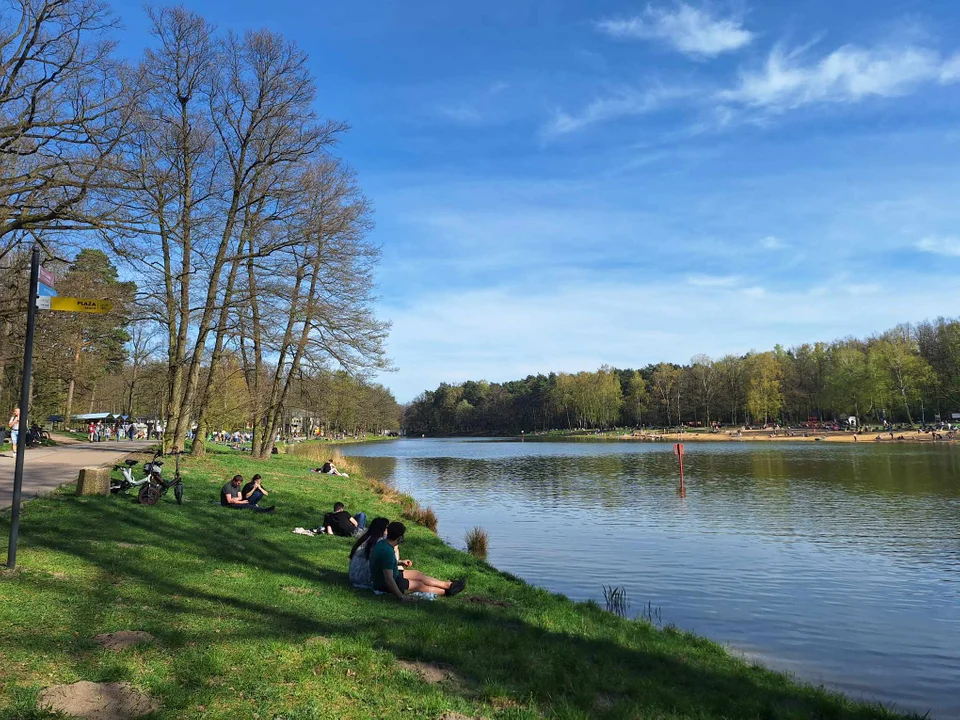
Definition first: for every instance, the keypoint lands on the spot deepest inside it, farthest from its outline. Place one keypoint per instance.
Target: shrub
(476, 540)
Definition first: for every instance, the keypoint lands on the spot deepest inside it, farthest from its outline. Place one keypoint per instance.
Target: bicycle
(157, 487)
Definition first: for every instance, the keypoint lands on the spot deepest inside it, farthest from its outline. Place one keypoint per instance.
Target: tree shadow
(612, 669)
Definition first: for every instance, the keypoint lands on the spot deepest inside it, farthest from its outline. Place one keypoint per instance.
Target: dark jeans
(255, 497)
(361, 518)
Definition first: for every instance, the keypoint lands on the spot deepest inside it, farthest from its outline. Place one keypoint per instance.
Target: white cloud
(724, 281)
(461, 112)
(772, 242)
(846, 75)
(690, 30)
(503, 334)
(940, 246)
(625, 102)
(478, 109)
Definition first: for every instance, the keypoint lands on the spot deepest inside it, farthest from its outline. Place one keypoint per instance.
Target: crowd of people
(374, 561)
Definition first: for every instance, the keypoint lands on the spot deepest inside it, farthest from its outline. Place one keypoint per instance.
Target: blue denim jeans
(361, 518)
(254, 497)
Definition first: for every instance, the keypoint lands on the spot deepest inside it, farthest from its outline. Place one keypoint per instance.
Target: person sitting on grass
(329, 468)
(360, 553)
(254, 491)
(340, 523)
(386, 575)
(231, 496)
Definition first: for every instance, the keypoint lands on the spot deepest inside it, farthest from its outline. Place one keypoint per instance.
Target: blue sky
(560, 184)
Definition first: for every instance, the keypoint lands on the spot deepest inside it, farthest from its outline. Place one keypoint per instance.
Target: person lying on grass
(386, 574)
(339, 522)
(254, 490)
(360, 553)
(231, 496)
(329, 468)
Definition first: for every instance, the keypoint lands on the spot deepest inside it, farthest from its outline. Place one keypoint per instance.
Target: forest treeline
(233, 240)
(910, 374)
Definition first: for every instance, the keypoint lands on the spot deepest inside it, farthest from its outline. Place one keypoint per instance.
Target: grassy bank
(252, 621)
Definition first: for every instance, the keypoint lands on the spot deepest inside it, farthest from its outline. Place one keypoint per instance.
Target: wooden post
(678, 451)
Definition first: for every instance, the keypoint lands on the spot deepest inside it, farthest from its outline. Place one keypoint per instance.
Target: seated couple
(340, 522)
(245, 498)
(329, 468)
(375, 562)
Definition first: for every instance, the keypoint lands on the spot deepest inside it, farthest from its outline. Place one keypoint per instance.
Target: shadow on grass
(173, 578)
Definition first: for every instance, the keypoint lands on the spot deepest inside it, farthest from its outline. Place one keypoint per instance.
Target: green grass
(253, 621)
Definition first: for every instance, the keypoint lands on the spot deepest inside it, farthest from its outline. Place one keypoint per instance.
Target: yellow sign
(67, 304)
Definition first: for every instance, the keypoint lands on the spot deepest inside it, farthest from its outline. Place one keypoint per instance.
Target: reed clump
(476, 540)
(420, 515)
(616, 600)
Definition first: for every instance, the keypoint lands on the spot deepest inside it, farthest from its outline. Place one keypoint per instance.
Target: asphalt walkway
(47, 468)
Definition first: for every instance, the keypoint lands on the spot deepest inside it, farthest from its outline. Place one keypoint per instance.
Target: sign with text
(47, 283)
(64, 304)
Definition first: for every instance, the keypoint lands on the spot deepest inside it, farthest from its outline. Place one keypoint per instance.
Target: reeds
(476, 540)
(616, 600)
(420, 515)
(651, 615)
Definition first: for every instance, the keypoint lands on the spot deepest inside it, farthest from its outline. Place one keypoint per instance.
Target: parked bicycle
(157, 487)
(128, 480)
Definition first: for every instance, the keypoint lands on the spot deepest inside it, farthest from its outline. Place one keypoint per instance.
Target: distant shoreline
(830, 436)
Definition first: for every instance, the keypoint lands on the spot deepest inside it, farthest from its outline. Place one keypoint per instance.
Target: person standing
(14, 424)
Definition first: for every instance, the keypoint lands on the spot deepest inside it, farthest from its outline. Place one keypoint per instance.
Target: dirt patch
(451, 715)
(480, 600)
(298, 590)
(97, 701)
(123, 639)
(317, 640)
(126, 545)
(432, 673)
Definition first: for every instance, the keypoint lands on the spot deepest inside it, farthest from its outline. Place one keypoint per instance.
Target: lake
(838, 563)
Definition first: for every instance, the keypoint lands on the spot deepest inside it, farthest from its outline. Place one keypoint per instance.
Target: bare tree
(310, 305)
(62, 113)
(224, 127)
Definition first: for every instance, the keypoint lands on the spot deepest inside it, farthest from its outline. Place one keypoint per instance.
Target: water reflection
(839, 563)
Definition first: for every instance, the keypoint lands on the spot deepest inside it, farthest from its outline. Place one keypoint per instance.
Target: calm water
(840, 564)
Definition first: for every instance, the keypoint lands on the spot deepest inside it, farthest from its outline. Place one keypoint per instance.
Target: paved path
(47, 468)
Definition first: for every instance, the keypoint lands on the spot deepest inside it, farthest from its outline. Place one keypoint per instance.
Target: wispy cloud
(940, 246)
(478, 109)
(722, 281)
(847, 75)
(624, 102)
(462, 112)
(692, 31)
(772, 242)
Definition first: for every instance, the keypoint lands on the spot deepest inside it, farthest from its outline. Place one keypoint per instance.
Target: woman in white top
(14, 424)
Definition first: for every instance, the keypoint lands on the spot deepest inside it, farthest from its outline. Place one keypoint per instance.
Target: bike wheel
(178, 493)
(149, 495)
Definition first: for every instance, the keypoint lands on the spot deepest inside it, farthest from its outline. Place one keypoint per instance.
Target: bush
(476, 540)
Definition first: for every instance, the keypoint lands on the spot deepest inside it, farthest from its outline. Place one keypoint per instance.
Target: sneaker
(259, 509)
(456, 587)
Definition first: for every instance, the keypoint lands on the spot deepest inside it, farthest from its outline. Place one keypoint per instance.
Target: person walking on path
(14, 424)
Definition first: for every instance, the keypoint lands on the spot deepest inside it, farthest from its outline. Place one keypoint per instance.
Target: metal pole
(24, 405)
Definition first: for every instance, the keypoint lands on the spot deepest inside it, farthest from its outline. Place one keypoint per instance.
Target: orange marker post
(678, 451)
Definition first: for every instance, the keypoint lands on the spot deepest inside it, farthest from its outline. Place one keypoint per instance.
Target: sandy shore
(784, 436)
